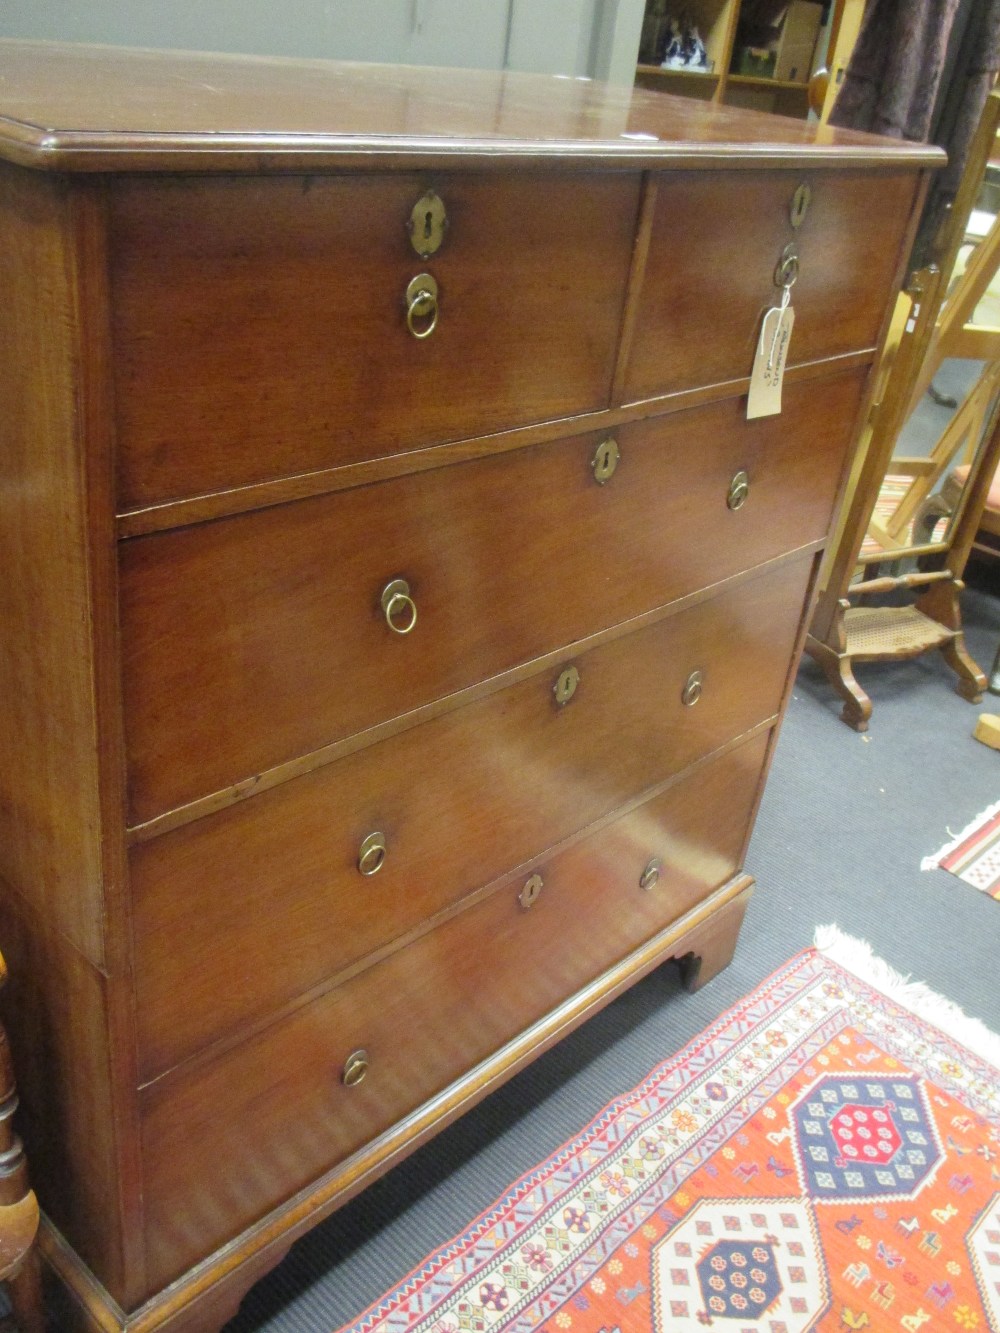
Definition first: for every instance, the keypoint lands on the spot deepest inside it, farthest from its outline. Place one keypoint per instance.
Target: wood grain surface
(460, 800)
(74, 1104)
(219, 443)
(246, 1131)
(699, 314)
(254, 639)
(280, 344)
(50, 808)
(91, 108)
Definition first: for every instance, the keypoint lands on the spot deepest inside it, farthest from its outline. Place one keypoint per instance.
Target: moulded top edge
(100, 108)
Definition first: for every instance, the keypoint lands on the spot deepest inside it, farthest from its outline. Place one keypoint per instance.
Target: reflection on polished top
(95, 108)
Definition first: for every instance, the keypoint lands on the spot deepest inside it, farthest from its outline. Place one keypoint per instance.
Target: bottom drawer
(224, 1142)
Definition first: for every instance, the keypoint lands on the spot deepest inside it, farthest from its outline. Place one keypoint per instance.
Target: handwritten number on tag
(764, 399)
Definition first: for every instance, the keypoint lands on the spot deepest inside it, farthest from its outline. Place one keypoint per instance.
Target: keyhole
(426, 224)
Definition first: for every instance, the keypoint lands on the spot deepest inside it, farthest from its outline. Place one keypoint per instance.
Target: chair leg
(971, 681)
(837, 669)
(994, 685)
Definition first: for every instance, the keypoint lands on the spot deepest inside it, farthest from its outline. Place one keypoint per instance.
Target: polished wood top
(103, 108)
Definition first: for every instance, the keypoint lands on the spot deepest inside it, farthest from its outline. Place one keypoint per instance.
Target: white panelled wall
(578, 38)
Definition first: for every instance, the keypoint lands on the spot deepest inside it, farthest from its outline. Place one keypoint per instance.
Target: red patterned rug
(974, 856)
(825, 1156)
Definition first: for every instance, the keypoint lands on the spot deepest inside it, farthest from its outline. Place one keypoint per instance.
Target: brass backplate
(800, 205)
(427, 224)
(566, 683)
(421, 292)
(606, 458)
(533, 886)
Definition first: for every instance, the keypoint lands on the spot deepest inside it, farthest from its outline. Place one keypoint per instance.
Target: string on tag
(764, 395)
(786, 300)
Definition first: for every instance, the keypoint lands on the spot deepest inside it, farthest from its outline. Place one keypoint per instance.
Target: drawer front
(233, 1139)
(255, 639)
(716, 242)
(260, 326)
(459, 801)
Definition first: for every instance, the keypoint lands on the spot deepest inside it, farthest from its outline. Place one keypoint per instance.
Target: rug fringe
(857, 956)
(932, 862)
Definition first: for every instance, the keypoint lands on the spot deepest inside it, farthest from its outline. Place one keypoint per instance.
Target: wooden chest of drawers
(398, 606)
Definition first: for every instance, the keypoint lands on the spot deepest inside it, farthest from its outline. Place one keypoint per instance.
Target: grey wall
(463, 32)
(571, 37)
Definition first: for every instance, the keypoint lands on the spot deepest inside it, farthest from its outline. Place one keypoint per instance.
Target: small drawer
(255, 639)
(225, 1142)
(260, 326)
(457, 801)
(716, 241)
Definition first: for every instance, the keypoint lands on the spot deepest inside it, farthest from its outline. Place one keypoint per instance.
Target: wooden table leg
(19, 1265)
(24, 1290)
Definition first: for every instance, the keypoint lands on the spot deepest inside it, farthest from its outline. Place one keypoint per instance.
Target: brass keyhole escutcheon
(422, 305)
(800, 205)
(739, 490)
(355, 1068)
(427, 224)
(533, 886)
(606, 458)
(566, 683)
(787, 272)
(692, 689)
(371, 854)
(650, 876)
(399, 607)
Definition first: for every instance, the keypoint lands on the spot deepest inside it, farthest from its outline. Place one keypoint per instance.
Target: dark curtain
(892, 86)
(974, 75)
(891, 82)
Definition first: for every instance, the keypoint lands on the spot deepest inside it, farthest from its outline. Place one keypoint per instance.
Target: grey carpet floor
(843, 826)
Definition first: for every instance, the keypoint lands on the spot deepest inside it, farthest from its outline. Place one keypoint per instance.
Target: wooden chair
(19, 1263)
(986, 541)
(931, 323)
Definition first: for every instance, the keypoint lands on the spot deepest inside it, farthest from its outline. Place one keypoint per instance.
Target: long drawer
(255, 639)
(260, 326)
(223, 1143)
(716, 241)
(458, 802)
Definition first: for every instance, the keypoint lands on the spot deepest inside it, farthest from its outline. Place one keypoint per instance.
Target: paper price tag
(764, 399)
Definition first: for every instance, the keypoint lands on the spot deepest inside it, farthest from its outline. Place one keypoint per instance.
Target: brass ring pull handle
(371, 854)
(693, 687)
(399, 607)
(739, 490)
(787, 272)
(422, 306)
(650, 876)
(355, 1068)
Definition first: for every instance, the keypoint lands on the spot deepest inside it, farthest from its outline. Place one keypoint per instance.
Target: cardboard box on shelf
(797, 43)
(755, 60)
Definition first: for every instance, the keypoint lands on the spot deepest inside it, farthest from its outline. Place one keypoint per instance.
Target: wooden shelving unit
(718, 22)
(686, 82)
